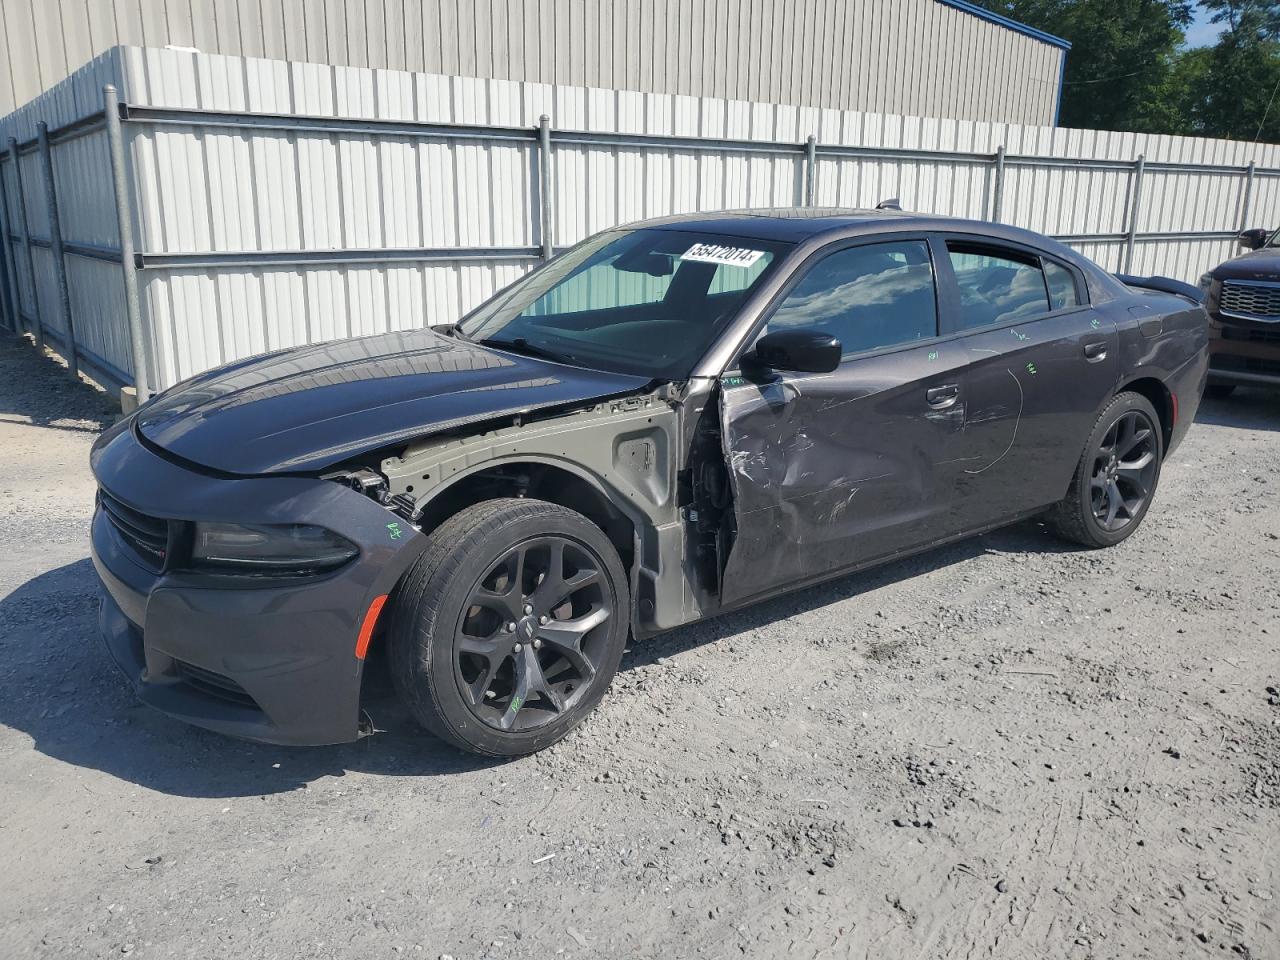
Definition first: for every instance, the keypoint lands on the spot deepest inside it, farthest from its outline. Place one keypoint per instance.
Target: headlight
(1206, 281)
(269, 548)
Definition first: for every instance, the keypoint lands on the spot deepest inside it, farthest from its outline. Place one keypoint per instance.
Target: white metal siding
(914, 57)
(209, 189)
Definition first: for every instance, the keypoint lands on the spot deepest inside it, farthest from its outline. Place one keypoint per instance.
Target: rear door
(1040, 363)
(831, 470)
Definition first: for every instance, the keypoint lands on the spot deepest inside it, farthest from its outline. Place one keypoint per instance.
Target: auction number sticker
(729, 256)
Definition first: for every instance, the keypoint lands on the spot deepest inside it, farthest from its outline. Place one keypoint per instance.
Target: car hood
(1261, 264)
(307, 409)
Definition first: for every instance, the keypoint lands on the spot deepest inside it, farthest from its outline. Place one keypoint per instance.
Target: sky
(1202, 33)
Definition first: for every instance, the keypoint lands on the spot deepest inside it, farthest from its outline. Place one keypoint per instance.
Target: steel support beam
(546, 226)
(124, 219)
(810, 169)
(8, 269)
(997, 188)
(55, 245)
(1135, 209)
(24, 237)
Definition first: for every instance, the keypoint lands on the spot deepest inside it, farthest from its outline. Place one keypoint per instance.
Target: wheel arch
(1159, 396)
(543, 478)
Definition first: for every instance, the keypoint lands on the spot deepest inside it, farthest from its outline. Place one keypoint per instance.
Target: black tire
(486, 553)
(1080, 517)
(1219, 391)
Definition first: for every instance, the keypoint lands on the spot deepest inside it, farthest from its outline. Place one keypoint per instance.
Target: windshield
(646, 302)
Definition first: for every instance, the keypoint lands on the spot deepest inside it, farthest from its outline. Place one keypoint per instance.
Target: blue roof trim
(1013, 25)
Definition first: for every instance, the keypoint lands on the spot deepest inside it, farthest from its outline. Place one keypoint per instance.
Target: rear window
(997, 286)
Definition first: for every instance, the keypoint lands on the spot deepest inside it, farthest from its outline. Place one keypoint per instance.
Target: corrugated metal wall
(916, 57)
(321, 202)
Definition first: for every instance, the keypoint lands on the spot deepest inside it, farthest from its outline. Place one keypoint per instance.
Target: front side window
(647, 302)
(997, 286)
(868, 297)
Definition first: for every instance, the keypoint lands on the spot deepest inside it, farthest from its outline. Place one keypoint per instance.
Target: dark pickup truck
(1242, 297)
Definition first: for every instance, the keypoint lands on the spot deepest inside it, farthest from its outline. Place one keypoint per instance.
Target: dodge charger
(671, 420)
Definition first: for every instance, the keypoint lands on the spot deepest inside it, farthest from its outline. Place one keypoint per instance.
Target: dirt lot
(1008, 748)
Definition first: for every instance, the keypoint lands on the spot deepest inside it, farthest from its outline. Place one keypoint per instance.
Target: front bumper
(1244, 353)
(268, 659)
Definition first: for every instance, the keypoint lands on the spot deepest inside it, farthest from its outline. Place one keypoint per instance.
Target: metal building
(927, 58)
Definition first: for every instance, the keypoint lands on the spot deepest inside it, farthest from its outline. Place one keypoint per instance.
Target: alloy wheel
(532, 632)
(1124, 471)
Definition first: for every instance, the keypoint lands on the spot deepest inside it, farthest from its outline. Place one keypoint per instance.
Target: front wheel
(1116, 477)
(509, 629)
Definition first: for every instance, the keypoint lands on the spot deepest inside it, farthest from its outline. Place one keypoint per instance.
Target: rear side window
(997, 286)
(1062, 286)
(868, 297)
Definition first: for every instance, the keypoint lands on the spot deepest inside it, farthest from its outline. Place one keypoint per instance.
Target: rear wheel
(1116, 477)
(1219, 391)
(508, 630)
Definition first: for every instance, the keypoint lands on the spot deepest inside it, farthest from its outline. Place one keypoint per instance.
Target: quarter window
(996, 287)
(868, 297)
(1062, 286)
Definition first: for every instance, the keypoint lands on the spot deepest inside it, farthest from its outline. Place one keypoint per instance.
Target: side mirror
(1254, 239)
(804, 351)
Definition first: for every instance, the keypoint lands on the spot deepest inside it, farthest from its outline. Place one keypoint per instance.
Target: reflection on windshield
(647, 302)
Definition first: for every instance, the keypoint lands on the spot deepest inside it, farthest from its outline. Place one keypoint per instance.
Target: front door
(831, 470)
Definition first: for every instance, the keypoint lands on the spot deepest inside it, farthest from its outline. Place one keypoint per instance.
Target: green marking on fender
(933, 354)
(394, 530)
(1095, 323)
(1031, 369)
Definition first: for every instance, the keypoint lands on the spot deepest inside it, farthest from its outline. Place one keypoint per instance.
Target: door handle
(1095, 351)
(942, 397)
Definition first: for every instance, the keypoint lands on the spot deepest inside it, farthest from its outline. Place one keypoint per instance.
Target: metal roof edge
(1007, 23)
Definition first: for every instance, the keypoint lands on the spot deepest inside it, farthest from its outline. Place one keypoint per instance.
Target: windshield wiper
(523, 346)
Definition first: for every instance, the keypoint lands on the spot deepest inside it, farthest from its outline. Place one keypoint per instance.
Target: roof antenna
(891, 204)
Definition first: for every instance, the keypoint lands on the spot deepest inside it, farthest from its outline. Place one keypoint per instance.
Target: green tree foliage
(1128, 68)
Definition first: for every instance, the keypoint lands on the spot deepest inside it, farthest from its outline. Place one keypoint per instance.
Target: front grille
(1251, 298)
(213, 684)
(149, 536)
(1247, 335)
(1223, 361)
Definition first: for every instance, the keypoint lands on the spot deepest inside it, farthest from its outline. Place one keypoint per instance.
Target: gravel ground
(1007, 748)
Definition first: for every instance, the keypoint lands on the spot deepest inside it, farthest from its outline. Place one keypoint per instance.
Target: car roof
(804, 225)
(797, 224)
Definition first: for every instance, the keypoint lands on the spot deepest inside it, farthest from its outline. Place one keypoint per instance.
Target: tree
(1121, 68)
(1241, 76)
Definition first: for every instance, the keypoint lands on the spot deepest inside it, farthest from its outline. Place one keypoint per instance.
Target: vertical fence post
(544, 186)
(1135, 208)
(55, 246)
(128, 263)
(24, 236)
(1246, 202)
(8, 271)
(810, 169)
(997, 188)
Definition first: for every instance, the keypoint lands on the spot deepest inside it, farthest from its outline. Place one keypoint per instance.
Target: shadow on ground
(59, 686)
(34, 383)
(1248, 408)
